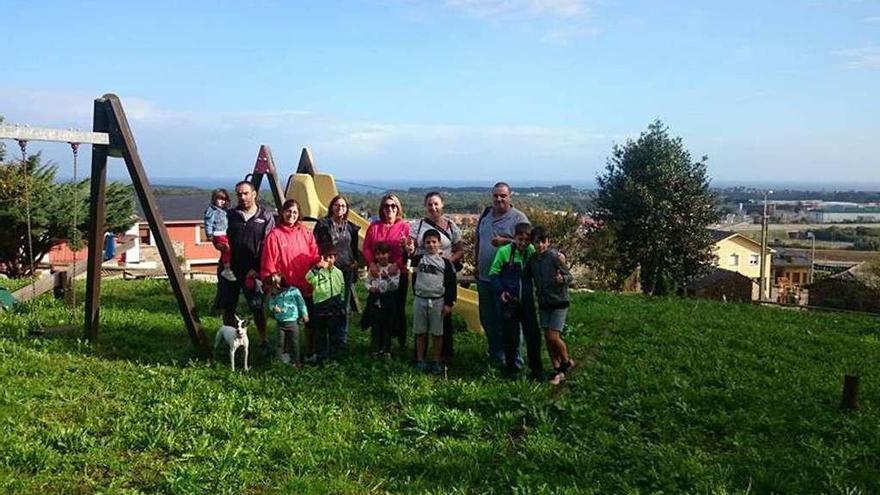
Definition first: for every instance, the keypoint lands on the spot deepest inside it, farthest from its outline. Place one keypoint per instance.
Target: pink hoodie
(392, 234)
(290, 250)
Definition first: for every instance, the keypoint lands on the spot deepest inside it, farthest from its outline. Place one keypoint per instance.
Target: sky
(528, 91)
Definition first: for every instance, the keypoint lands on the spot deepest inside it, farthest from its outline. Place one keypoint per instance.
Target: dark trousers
(329, 334)
(523, 319)
(399, 327)
(380, 331)
(380, 315)
(448, 333)
(288, 339)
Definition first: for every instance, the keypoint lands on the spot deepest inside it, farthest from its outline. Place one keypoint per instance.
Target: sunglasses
(389, 206)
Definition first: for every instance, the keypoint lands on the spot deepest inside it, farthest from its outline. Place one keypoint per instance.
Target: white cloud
(866, 57)
(875, 18)
(521, 8)
(553, 21)
(176, 143)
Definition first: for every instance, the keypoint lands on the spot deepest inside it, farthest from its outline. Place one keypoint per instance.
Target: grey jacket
(551, 294)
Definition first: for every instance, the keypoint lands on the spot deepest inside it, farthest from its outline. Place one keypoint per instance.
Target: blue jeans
(490, 318)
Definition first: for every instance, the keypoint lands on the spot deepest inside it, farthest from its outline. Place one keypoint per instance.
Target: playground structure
(111, 136)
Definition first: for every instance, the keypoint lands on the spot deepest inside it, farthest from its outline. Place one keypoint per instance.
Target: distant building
(740, 254)
(737, 255)
(791, 267)
(845, 214)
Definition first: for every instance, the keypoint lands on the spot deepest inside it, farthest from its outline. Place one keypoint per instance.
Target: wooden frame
(112, 136)
(109, 118)
(265, 166)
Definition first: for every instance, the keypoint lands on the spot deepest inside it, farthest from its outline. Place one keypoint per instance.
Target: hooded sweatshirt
(551, 294)
(290, 250)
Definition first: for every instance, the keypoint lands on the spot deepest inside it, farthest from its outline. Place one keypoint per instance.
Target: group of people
(305, 277)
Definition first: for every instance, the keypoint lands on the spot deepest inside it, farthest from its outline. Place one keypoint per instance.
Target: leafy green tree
(52, 207)
(656, 201)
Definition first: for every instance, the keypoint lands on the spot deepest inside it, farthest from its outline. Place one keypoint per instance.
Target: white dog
(235, 337)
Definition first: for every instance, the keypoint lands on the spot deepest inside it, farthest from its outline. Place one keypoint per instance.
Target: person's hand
(305, 318)
(409, 245)
(353, 266)
(276, 309)
(505, 296)
(447, 310)
(499, 241)
(374, 270)
(322, 264)
(403, 242)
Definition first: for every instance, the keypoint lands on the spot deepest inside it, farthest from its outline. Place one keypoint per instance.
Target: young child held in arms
(381, 301)
(328, 318)
(216, 223)
(511, 278)
(552, 278)
(289, 308)
(436, 288)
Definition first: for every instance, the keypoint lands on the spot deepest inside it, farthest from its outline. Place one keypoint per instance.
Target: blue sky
(522, 90)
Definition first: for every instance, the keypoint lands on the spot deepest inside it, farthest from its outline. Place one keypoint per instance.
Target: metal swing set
(111, 136)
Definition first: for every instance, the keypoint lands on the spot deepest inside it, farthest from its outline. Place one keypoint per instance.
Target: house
(791, 267)
(857, 289)
(837, 214)
(740, 254)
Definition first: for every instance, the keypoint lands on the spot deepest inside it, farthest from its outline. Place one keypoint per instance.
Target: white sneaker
(228, 275)
(285, 358)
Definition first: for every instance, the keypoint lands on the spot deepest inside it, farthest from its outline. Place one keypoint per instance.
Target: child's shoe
(285, 358)
(556, 378)
(421, 365)
(437, 368)
(567, 366)
(228, 275)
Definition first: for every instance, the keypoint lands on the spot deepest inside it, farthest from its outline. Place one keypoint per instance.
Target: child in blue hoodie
(289, 308)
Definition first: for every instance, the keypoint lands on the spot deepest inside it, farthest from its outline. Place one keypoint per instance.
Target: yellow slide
(313, 193)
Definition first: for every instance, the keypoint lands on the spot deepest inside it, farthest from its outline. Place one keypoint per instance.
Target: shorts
(227, 295)
(553, 319)
(428, 316)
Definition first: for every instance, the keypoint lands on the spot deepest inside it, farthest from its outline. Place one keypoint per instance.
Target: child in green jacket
(328, 313)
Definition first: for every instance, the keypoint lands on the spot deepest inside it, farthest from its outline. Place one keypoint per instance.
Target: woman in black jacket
(337, 230)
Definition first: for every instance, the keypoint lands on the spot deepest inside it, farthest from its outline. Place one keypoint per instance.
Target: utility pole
(762, 288)
(812, 237)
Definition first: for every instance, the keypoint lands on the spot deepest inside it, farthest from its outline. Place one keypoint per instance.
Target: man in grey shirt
(494, 229)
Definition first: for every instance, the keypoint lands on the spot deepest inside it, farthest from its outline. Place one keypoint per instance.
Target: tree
(52, 208)
(656, 201)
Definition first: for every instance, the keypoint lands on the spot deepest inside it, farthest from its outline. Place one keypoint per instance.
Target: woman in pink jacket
(393, 230)
(290, 249)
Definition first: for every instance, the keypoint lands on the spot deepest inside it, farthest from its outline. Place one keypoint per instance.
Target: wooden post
(850, 392)
(265, 165)
(97, 205)
(157, 225)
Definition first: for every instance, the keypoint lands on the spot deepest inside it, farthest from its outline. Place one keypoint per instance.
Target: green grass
(671, 396)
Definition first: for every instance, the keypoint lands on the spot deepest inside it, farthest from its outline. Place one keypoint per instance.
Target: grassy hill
(671, 396)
